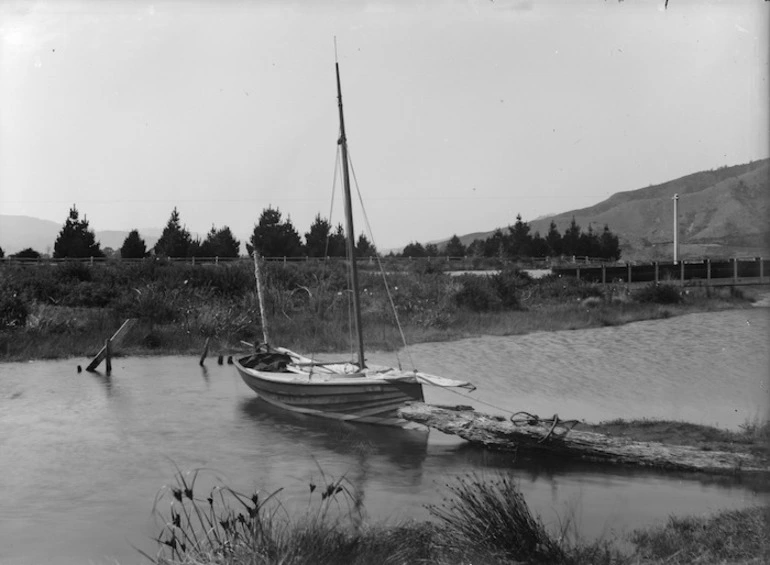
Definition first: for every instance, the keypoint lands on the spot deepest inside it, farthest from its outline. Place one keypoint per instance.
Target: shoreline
(80, 332)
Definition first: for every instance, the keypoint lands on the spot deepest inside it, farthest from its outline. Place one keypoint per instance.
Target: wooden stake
(116, 338)
(205, 351)
(108, 356)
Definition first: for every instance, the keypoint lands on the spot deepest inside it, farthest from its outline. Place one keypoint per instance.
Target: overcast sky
(459, 114)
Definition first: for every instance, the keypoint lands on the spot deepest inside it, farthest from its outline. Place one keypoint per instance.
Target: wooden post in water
(108, 356)
(761, 273)
(735, 269)
(657, 272)
(604, 274)
(681, 273)
(577, 273)
(116, 337)
(205, 351)
(708, 272)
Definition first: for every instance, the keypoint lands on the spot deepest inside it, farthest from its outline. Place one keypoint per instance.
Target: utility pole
(676, 228)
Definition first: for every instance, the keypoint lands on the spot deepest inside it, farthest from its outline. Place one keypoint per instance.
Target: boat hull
(371, 401)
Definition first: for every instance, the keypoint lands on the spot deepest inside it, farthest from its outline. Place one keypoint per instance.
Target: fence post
(216, 260)
(604, 274)
(735, 269)
(681, 273)
(761, 273)
(628, 276)
(708, 272)
(657, 273)
(577, 273)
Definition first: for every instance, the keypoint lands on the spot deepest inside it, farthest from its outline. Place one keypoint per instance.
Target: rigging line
(379, 264)
(337, 162)
(325, 267)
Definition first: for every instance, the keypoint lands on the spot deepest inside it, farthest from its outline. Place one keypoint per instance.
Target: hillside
(723, 212)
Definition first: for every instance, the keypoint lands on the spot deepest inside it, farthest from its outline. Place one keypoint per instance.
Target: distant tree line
(273, 236)
(518, 242)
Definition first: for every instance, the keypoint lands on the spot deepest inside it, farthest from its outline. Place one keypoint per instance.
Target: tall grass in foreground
(480, 521)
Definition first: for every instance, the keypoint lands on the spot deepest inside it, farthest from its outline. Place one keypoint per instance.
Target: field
(69, 309)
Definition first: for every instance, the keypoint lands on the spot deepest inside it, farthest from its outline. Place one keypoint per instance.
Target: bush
(13, 309)
(658, 294)
(477, 294)
(506, 283)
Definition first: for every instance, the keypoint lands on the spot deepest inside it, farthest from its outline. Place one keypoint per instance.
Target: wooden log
(116, 338)
(498, 433)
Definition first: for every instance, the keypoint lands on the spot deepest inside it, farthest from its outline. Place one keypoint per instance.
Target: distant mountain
(723, 212)
(20, 232)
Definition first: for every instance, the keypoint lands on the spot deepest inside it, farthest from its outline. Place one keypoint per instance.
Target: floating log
(116, 338)
(539, 436)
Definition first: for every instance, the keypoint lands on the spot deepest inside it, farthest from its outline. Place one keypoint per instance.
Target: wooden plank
(116, 338)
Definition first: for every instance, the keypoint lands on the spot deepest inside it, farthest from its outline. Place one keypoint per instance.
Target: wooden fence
(705, 272)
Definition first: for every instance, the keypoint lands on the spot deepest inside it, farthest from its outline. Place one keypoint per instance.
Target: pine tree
(364, 247)
(520, 240)
(175, 241)
(455, 247)
(133, 246)
(220, 243)
(609, 246)
(317, 239)
(273, 237)
(75, 239)
(414, 249)
(570, 241)
(553, 239)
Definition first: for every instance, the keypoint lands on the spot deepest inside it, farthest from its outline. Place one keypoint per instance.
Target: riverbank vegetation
(753, 437)
(68, 309)
(481, 520)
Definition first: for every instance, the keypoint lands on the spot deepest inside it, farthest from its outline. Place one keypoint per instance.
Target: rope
(382, 270)
(534, 420)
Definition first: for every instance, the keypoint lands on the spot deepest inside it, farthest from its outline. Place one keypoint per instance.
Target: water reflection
(406, 449)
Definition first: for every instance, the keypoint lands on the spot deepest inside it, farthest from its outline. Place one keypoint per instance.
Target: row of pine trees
(275, 236)
(517, 241)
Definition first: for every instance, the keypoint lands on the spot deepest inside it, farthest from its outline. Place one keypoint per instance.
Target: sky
(459, 114)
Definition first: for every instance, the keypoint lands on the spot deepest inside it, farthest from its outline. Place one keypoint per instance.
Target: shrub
(13, 309)
(477, 294)
(659, 294)
(506, 283)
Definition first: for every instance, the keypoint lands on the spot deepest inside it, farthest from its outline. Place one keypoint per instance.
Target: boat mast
(349, 221)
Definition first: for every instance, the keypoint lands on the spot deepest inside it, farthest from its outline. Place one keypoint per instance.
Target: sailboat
(348, 391)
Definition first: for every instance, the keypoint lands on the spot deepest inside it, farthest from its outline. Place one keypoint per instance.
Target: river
(82, 456)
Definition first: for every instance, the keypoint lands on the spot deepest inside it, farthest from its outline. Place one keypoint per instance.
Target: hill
(722, 213)
(20, 232)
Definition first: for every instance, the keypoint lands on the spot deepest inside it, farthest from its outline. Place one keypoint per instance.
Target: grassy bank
(753, 437)
(61, 310)
(481, 520)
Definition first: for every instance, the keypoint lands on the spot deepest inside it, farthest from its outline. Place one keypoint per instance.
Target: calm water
(82, 456)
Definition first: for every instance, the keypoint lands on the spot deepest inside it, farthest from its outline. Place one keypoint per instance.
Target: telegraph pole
(676, 228)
